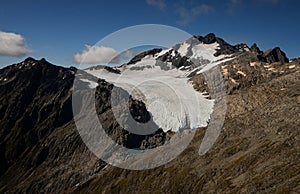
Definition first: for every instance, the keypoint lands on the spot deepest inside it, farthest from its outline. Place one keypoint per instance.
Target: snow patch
(161, 53)
(292, 66)
(253, 64)
(233, 81)
(92, 84)
(213, 64)
(183, 49)
(241, 73)
(206, 51)
(272, 69)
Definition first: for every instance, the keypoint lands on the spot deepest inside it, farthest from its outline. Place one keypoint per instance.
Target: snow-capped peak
(162, 76)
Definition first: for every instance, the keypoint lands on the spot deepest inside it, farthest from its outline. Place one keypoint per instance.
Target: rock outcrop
(275, 55)
(257, 150)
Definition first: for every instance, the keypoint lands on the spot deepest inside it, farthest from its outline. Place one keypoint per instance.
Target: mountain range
(257, 150)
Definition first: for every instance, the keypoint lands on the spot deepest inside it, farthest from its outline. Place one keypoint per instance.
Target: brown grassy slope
(258, 150)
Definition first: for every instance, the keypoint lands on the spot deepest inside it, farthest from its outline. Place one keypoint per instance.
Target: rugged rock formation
(254, 48)
(208, 39)
(275, 55)
(38, 131)
(257, 150)
(142, 55)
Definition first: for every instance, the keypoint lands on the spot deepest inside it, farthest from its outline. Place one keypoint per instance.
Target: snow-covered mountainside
(257, 150)
(161, 79)
(168, 94)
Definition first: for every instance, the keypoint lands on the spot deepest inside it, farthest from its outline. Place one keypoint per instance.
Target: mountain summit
(41, 149)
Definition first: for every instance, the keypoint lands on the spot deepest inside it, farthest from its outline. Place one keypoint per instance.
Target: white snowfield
(204, 51)
(92, 84)
(183, 49)
(168, 94)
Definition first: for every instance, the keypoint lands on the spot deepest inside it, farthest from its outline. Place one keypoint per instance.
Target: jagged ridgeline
(257, 151)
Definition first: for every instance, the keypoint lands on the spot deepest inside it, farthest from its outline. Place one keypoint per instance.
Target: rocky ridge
(258, 150)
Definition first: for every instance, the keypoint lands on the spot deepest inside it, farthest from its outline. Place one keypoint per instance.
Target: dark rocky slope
(41, 150)
(37, 138)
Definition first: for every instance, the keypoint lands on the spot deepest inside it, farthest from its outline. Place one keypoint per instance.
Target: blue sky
(56, 30)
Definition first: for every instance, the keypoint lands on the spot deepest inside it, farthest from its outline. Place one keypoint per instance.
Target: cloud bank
(95, 55)
(187, 15)
(157, 3)
(92, 55)
(12, 44)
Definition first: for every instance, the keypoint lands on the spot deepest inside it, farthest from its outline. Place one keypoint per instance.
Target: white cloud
(96, 55)
(272, 2)
(188, 15)
(12, 44)
(234, 5)
(122, 58)
(127, 55)
(202, 9)
(157, 3)
(187, 11)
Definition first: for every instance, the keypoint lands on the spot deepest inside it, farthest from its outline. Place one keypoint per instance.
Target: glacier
(167, 93)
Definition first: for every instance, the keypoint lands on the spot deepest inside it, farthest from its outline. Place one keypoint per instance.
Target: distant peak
(255, 48)
(43, 60)
(32, 62)
(275, 55)
(29, 59)
(208, 39)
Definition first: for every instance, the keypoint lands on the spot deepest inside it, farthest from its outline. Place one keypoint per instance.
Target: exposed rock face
(225, 48)
(110, 69)
(38, 135)
(138, 112)
(275, 55)
(257, 151)
(142, 55)
(255, 49)
(242, 47)
(176, 60)
(270, 56)
(208, 39)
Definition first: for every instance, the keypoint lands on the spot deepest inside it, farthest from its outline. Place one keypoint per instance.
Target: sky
(63, 32)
